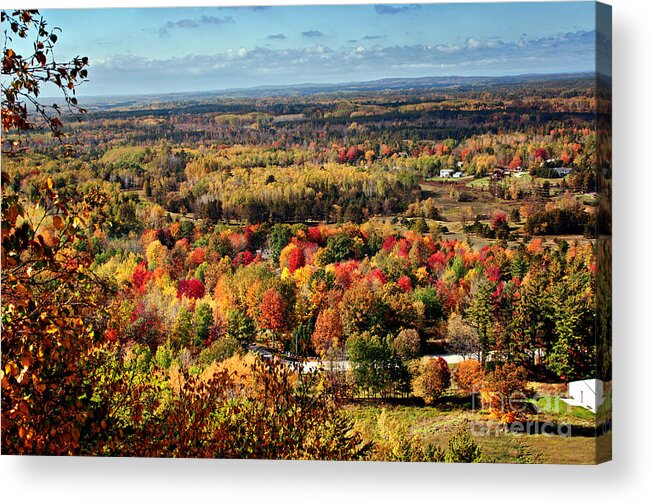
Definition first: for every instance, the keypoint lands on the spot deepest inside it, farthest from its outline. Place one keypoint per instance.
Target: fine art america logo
(515, 408)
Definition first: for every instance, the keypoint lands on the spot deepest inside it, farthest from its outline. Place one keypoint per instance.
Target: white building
(446, 173)
(588, 394)
(562, 171)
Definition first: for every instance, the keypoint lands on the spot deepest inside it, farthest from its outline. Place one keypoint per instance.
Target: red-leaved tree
(192, 289)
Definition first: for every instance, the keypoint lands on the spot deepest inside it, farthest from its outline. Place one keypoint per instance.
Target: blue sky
(159, 50)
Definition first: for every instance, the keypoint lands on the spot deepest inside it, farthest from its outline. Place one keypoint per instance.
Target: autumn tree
(431, 302)
(469, 376)
(572, 354)
(461, 337)
(480, 316)
(192, 288)
(296, 259)
(182, 332)
(240, 327)
(278, 239)
(407, 344)
(204, 322)
(27, 74)
(499, 225)
(433, 380)
(504, 393)
(328, 331)
(376, 367)
(53, 310)
(273, 312)
(52, 305)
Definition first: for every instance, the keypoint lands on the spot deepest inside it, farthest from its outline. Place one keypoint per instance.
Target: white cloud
(255, 66)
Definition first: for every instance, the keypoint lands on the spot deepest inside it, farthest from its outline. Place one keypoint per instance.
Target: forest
(282, 276)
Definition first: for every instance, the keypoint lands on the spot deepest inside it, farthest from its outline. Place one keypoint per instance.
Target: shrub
(396, 443)
(462, 448)
(433, 380)
(503, 392)
(469, 376)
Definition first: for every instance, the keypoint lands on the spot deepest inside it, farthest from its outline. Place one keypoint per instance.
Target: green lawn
(561, 411)
(451, 180)
(480, 183)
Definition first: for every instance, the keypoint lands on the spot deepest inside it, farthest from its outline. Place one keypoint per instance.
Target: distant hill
(451, 83)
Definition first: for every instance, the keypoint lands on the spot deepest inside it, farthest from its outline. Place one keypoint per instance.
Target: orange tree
(469, 376)
(504, 392)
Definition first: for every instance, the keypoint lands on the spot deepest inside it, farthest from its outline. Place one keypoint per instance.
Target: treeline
(328, 193)
(354, 291)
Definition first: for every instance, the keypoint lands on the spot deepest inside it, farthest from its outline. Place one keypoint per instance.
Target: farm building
(562, 171)
(588, 394)
(446, 173)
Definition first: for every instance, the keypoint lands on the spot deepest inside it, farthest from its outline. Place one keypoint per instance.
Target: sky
(167, 50)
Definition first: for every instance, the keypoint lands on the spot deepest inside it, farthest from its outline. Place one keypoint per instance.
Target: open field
(436, 424)
(455, 213)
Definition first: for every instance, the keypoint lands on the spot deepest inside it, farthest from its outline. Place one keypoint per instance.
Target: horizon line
(331, 83)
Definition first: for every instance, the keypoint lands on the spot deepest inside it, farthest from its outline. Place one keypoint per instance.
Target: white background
(34, 479)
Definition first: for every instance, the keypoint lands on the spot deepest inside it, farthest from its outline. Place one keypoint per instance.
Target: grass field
(436, 424)
(446, 193)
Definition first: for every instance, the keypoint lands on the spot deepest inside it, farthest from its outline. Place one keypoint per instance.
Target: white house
(446, 173)
(588, 394)
(562, 171)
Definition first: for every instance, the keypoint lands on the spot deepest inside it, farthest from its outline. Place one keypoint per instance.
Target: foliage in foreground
(396, 443)
(258, 410)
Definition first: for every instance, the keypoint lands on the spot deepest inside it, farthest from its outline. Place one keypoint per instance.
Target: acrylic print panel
(352, 232)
